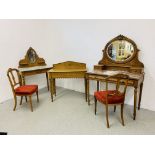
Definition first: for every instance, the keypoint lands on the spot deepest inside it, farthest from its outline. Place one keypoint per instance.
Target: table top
(34, 68)
(111, 72)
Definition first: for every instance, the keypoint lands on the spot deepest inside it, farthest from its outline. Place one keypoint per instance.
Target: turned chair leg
(95, 104)
(107, 116)
(37, 96)
(122, 106)
(21, 100)
(30, 100)
(114, 108)
(15, 101)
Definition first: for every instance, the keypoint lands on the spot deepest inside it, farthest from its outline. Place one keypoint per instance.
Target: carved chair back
(14, 78)
(120, 79)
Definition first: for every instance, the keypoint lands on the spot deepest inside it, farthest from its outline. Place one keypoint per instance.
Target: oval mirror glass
(120, 50)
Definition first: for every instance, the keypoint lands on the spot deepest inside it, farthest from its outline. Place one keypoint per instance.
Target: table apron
(66, 75)
(29, 73)
(132, 83)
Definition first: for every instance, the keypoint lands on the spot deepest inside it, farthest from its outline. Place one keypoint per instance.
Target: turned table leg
(88, 96)
(135, 103)
(47, 81)
(140, 95)
(85, 82)
(23, 79)
(23, 83)
(51, 88)
(98, 85)
(54, 86)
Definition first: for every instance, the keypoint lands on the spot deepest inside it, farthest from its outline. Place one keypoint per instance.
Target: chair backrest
(14, 78)
(120, 79)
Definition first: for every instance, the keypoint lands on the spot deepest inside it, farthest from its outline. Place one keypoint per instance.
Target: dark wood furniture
(120, 55)
(19, 89)
(32, 64)
(68, 69)
(113, 97)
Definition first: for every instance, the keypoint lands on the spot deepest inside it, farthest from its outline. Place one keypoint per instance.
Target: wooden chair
(21, 90)
(113, 97)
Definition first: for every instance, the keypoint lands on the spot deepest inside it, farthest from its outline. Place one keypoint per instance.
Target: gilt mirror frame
(120, 38)
(35, 59)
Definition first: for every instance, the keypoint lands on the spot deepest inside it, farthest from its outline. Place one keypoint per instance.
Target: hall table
(68, 69)
(135, 80)
(28, 71)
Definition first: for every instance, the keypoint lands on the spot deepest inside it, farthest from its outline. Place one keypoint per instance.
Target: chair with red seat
(113, 97)
(21, 90)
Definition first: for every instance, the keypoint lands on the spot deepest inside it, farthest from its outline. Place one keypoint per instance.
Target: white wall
(16, 36)
(76, 40)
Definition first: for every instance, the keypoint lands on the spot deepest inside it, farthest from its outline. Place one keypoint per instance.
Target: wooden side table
(33, 71)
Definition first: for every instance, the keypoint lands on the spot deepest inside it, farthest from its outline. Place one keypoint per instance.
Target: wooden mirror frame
(131, 63)
(26, 62)
(127, 59)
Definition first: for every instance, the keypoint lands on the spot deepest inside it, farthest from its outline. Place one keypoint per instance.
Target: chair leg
(26, 98)
(107, 116)
(15, 100)
(122, 106)
(37, 96)
(114, 108)
(95, 104)
(21, 100)
(30, 100)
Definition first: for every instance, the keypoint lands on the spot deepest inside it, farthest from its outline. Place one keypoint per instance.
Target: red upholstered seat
(26, 89)
(114, 98)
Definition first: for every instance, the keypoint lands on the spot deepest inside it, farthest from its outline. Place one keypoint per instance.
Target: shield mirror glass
(32, 56)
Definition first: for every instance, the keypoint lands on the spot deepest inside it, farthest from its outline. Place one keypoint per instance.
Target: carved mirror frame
(120, 38)
(131, 61)
(26, 61)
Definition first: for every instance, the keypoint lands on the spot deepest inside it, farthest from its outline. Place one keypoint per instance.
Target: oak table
(68, 69)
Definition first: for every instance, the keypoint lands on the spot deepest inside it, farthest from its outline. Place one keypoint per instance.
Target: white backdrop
(75, 40)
